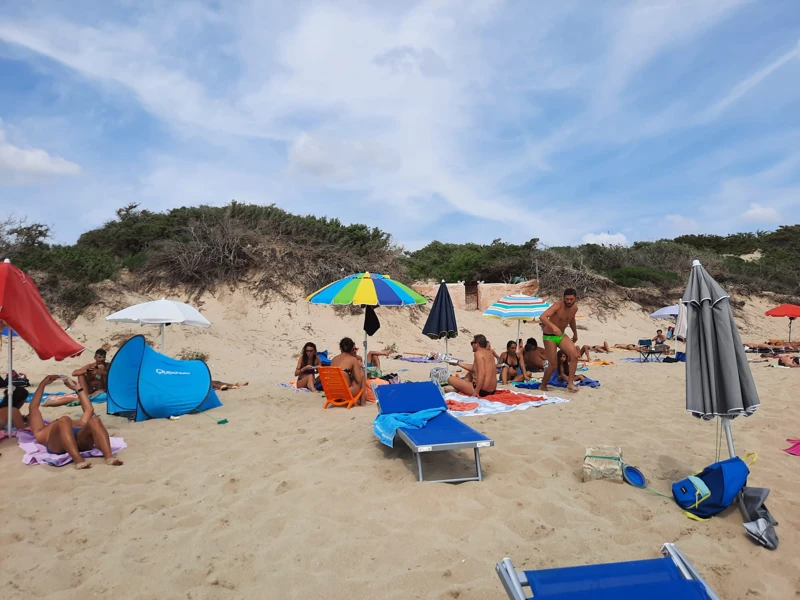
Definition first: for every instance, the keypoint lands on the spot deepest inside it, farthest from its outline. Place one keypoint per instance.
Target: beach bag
(439, 375)
(370, 394)
(712, 490)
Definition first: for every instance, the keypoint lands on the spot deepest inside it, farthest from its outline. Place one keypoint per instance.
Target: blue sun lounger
(669, 578)
(443, 432)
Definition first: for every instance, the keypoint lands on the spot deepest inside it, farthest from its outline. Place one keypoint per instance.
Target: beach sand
(289, 501)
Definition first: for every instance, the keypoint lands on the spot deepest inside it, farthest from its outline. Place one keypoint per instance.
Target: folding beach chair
(337, 392)
(647, 350)
(669, 578)
(443, 432)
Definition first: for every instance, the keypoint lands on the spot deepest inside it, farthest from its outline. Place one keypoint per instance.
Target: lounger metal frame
(419, 450)
(513, 580)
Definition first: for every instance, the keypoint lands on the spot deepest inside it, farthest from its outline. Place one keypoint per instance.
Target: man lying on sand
(555, 320)
(584, 351)
(789, 361)
(65, 435)
(352, 365)
(222, 386)
(483, 371)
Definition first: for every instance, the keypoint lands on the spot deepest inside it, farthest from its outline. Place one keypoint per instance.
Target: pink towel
(36, 454)
(794, 448)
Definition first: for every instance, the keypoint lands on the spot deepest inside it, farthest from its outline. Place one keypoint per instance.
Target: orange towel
(456, 405)
(599, 363)
(513, 398)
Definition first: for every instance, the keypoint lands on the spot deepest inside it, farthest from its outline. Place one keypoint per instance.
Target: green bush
(642, 276)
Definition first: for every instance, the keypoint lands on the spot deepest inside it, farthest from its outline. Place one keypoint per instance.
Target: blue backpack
(713, 489)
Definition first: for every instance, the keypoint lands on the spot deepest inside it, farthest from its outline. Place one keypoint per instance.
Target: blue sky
(454, 120)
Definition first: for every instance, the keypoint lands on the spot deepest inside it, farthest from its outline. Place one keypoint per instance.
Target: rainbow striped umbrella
(517, 308)
(366, 289)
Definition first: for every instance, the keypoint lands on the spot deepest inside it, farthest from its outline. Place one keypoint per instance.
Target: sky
(449, 120)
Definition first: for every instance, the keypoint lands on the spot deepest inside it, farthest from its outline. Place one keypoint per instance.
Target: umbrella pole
(790, 329)
(726, 424)
(447, 354)
(10, 378)
(162, 338)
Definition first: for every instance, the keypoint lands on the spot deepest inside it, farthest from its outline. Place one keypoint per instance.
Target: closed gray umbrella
(718, 378)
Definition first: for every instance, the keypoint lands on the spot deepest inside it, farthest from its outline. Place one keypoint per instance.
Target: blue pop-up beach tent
(143, 384)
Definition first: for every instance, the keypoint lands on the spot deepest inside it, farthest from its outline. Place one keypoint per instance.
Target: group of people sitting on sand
(348, 360)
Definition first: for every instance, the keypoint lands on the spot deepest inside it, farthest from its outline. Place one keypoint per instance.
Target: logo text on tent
(163, 372)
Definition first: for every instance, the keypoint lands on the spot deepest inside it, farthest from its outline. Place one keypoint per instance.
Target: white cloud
(22, 164)
(606, 239)
(680, 224)
(760, 214)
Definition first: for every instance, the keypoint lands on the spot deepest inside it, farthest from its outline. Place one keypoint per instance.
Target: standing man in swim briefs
(555, 320)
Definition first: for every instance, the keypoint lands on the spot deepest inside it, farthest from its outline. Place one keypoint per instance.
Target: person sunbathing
(789, 361)
(584, 351)
(353, 366)
(512, 369)
(374, 358)
(18, 399)
(306, 369)
(67, 436)
(483, 369)
(222, 386)
(628, 347)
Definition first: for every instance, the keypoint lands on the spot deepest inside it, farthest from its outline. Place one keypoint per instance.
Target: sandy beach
(288, 501)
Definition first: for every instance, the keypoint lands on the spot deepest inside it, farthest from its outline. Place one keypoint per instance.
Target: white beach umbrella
(668, 312)
(160, 312)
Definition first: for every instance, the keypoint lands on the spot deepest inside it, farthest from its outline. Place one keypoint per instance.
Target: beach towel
(4, 432)
(48, 395)
(36, 454)
(794, 449)
(600, 363)
(554, 381)
(292, 385)
(386, 425)
(324, 360)
(420, 359)
(462, 405)
(458, 406)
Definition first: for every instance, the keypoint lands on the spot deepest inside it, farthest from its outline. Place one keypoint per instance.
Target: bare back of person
(352, 368)
(534, 359)
(555, 321)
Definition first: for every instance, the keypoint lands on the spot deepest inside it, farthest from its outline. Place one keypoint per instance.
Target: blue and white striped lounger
(443, 432)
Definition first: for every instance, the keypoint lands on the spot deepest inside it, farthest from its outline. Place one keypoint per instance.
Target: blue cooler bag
(713, 489)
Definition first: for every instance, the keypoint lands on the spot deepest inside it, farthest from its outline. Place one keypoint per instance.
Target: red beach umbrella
(792, 311)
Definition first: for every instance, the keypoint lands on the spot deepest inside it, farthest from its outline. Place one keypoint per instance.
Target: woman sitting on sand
(306, 369)
(563, 369)
(512, 371)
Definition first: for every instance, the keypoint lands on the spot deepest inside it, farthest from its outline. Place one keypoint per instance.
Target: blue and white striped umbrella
(517, 308)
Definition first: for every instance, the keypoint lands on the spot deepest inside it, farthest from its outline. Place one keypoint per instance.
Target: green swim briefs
(556, 339)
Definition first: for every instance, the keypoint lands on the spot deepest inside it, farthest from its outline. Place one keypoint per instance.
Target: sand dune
(288, 501)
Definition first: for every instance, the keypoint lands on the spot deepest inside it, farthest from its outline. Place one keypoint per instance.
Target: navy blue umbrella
(441, 322)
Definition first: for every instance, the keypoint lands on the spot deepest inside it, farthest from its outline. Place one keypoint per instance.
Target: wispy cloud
(750, 82)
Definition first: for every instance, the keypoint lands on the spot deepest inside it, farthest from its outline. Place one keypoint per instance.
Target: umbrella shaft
(726, 425)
